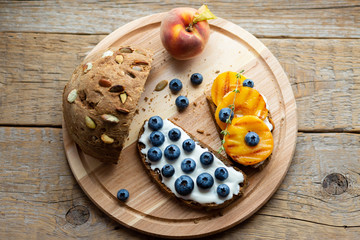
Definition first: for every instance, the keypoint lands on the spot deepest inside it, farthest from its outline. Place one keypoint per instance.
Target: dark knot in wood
(335, 184)
(77, 215)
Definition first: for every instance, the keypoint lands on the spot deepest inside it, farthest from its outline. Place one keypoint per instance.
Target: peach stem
(189, 28)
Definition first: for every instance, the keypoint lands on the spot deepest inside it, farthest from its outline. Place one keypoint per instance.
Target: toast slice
(213, 107)
(198, 198)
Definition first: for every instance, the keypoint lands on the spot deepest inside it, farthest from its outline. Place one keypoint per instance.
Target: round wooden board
(149, 210)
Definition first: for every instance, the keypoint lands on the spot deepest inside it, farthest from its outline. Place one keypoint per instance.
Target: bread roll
(100, 100)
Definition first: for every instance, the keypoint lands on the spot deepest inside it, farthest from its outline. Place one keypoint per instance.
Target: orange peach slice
(236, 147)
(247, 102)
(224, 83)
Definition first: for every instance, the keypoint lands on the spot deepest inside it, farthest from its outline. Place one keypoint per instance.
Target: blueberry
(206, 158)
(225, 113)
(196, 79)
(155, 123)
(172, 152)
(188, 145)
(154, 154)
(122, 194)
(184, 185)
(252, 139)
(223, 190)
(188, 165)
(174, 134)
(182, 102)
(221, 173)
(248, 83)
(175, 85)
(168, 170)
(204, 181)
(157, 138)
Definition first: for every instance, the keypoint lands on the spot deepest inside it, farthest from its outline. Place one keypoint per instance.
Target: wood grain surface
(316, 43)
(36, 196)
(149, 210)
(325, 85)
(277, 18)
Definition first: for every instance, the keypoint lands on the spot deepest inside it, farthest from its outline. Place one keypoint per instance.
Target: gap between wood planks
(315, 8)
(338, 130)
(107, 33)
(313, 222)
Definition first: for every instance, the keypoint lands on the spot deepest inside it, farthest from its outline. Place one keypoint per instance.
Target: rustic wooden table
(316, 43)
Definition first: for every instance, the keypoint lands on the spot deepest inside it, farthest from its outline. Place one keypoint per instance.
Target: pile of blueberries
(176, 85)
(184, 185)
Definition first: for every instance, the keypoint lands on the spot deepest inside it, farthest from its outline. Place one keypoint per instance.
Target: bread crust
(156, 177)
(94, 99)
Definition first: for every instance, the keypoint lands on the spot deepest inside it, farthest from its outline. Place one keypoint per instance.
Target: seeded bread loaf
(100, 100)
(157, 177)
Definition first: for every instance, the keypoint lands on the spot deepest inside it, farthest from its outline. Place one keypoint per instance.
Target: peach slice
(224, 83)
(236, 147)
(247, 102)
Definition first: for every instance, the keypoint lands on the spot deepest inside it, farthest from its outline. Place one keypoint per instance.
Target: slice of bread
(212, 108)
(198, 198)
(100, 100)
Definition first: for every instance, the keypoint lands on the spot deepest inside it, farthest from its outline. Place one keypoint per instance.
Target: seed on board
(104, 82)
(116, 88)
(130, 74)
(106, 139)
(122, 110)
(119, 59)
(140, 52)
(90, 123)
(108, 53)
(138, 62)
(126, 50)
(72, 96)
(110, 118)
(123, 97)
(87, 67)
(137, 68)
(161, 85)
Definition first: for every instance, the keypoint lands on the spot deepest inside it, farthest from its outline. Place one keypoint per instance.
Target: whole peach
(182, 39)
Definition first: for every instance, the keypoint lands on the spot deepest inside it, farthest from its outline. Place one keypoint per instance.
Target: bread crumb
(194, 103)
(165, 96)
(145, 99)
(208, 134)
(137, 111)
(143, 109)
(176, 119)
(217, 71)
(200, 131)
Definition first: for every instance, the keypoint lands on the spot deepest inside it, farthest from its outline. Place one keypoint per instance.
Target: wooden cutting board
(149, 210)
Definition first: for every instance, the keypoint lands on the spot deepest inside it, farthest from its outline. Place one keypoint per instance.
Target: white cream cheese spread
(200, 195)
(266, 121)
